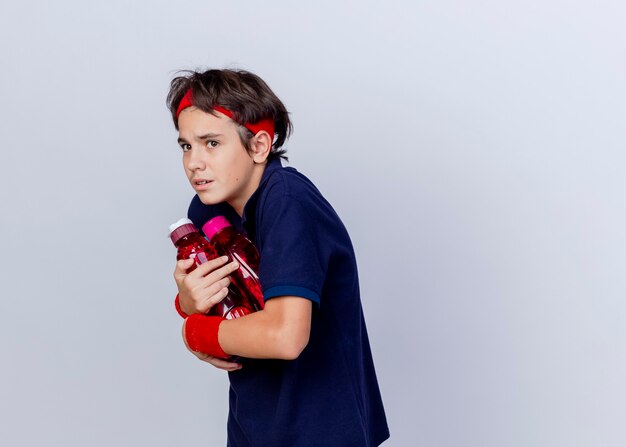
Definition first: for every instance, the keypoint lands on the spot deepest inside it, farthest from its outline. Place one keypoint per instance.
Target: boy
(308, 378)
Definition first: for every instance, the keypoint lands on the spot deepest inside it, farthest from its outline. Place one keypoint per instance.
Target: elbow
(291, 344)
(290, 326)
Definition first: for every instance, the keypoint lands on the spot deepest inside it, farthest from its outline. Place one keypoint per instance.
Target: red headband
(265, 124)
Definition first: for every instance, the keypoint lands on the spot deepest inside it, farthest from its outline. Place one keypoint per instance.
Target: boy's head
(229, 125)
(241, 95)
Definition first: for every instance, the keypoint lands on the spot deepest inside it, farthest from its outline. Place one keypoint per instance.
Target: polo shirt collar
(249, 208)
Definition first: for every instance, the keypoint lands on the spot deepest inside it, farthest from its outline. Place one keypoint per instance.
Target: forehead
(193, 122)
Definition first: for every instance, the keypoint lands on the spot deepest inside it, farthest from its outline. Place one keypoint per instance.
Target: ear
(261, 146)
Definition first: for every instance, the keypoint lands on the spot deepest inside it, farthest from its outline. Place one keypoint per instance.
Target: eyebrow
(201, 137)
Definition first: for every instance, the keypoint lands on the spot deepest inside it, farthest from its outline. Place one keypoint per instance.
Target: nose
(195, 159)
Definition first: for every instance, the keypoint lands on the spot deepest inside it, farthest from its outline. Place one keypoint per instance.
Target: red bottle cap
(214, 225)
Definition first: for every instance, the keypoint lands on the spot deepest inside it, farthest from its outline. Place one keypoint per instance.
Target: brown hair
(243, 93)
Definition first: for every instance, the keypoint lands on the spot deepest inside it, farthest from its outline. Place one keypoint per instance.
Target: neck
(239, 203)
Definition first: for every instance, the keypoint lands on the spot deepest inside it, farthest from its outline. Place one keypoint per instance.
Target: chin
(207, 199)
(210, 199)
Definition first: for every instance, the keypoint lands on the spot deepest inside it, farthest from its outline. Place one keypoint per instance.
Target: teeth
(202, 182)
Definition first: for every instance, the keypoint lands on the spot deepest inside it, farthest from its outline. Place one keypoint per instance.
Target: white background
(474, 150)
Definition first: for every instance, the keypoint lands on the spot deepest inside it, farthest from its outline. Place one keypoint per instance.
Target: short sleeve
(291, 248)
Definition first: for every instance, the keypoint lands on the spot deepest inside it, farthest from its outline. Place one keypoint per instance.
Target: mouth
(201, 184)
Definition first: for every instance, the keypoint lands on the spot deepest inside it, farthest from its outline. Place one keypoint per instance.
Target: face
(216, 163)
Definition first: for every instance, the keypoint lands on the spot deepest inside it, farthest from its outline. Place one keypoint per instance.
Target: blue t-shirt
(329, 395)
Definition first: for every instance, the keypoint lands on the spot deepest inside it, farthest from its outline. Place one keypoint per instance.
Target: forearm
(280, 331)
(267, 334)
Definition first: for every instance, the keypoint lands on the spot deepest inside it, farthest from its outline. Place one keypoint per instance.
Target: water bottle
(230, 242)
(191, 244)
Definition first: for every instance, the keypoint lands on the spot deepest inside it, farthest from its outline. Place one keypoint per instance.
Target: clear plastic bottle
(230, 242)
(191, 244)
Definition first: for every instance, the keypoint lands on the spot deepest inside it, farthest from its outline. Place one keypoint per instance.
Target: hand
(204, 287)
(215, 361)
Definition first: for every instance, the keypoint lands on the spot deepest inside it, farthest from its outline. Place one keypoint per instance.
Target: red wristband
(178, 309)
(201, 334)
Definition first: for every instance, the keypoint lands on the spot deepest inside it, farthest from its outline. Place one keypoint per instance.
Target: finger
(216, 361)
(222, 272)
(199, 272)
(212, 300)
(221, 363)
(213, 282)
(207, 267)
(209, 289)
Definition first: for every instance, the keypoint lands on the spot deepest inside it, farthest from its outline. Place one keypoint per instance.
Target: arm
(279, 331)
(292, 271)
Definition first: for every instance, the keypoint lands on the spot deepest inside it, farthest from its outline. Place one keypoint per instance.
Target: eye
(212, 143)
(185, 147)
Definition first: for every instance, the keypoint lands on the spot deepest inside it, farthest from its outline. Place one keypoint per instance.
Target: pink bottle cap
(214, 225)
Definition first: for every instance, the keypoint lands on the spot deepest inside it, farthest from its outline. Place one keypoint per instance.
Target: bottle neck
(190, 239)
